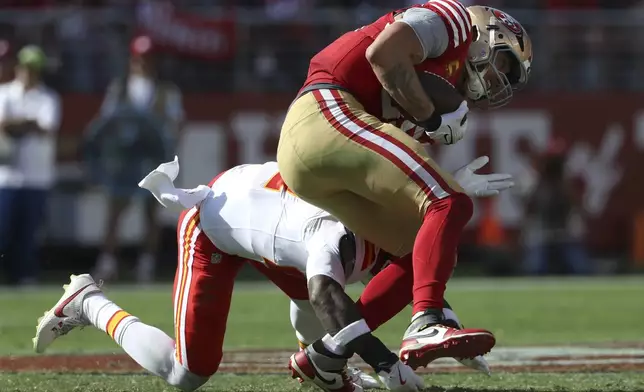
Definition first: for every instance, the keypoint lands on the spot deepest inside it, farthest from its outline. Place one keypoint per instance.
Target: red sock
(387, 293)
(434, 255)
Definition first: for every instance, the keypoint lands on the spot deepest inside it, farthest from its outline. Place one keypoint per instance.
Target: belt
(320, 86)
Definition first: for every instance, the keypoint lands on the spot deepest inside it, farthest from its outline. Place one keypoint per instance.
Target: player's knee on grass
(306, 324)
(183, 379)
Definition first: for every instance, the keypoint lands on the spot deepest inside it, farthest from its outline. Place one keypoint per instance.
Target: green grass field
(521, 312)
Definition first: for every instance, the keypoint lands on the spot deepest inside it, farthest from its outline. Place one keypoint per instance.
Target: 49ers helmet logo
(508, 22)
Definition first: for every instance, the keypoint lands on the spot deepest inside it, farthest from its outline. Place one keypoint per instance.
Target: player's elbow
(374, 53)
(396, 42)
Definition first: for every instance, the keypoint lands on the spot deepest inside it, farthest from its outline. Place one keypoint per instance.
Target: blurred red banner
(604, 146)
(186, 33)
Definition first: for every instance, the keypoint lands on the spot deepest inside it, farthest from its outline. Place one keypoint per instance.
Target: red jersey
(344, 61)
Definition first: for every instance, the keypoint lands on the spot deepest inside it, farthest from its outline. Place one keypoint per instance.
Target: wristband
(432, 123)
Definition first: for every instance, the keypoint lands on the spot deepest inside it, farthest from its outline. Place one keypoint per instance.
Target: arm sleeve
(324, 253)
(430, 30)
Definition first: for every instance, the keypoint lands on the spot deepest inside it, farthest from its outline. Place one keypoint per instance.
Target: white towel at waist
(160, 182)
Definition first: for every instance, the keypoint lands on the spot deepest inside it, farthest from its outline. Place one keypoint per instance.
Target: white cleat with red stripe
(427, 344)
(67, 314)
(305, 370)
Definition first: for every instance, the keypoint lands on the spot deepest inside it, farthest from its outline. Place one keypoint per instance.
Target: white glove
(481, 185)
(401, 378)
(453, 126)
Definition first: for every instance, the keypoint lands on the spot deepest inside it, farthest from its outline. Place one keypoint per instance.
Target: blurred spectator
(554, 227)
(137, 128)
(7, 62)
(29, 119)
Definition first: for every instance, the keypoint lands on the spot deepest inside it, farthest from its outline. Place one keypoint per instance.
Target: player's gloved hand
(453, 126)
(481, 185)
(401, 378)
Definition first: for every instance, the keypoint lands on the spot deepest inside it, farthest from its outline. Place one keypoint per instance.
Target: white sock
(106, 315)
(147, 345)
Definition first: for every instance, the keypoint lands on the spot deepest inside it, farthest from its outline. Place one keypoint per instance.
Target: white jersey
(250, 213)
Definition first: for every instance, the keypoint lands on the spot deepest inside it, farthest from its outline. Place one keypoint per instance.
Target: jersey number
(276, 183)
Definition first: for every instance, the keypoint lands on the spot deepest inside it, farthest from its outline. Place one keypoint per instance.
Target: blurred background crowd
(97, 92)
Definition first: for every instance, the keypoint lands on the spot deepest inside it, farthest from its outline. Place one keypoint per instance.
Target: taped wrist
(432, 123)
(357, 338)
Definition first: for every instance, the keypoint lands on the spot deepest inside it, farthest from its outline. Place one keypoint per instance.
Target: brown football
(444, 95)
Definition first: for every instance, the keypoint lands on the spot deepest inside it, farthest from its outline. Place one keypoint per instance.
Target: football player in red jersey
(339, 151)
(247, 216)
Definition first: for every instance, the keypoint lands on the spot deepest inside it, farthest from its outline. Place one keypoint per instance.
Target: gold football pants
(371, 175)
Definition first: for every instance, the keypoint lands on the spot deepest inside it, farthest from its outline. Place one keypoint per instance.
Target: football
(444, 95)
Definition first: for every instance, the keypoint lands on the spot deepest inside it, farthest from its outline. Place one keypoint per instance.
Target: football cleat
(333, 378)
(401, 378)
(477, 363)
(362, 378)
(430, 342)
(67, 314)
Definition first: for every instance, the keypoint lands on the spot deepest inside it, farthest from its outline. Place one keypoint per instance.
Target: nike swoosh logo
(451, 136)
(318, 375)
(419, 334)
(58, 312)
(402, 382)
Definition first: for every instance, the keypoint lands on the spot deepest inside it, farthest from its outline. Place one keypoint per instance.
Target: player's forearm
(402, 84)
(392, 60)
(332, 305)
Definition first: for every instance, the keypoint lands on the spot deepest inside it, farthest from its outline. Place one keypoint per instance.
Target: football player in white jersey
(247, 215)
